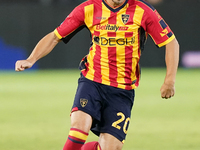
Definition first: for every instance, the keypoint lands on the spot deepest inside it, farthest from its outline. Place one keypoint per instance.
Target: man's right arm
(43, 47)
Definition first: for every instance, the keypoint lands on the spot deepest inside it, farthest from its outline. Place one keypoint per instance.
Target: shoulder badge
(83, 102)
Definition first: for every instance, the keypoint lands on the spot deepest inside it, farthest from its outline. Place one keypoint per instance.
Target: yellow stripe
(57, 34)
(137, 19)
(105, 65)
(89, 13)
(120, 66)
(90, 74)
(133, 86)
(78, 135)
(104, 49)
(167, 41)
(138, 15)
(98, 147)
(120, 53)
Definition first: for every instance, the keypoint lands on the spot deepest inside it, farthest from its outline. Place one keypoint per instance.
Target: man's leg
(91, 146)
(81, 121)
(106, 142)
(80, 126)
(109, 142)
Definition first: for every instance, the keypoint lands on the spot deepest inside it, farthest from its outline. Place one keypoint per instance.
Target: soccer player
(110, 72)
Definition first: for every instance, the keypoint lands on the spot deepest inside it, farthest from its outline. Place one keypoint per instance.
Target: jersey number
(116, 123)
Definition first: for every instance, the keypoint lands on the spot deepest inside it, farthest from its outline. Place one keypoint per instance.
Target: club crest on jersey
(83, 102)
(125, 18)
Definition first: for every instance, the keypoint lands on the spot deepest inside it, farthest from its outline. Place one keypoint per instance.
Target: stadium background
(24, 22)
(35, 105)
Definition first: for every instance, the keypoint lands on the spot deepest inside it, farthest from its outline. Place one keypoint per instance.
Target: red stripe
(113, 74)
(97, 61)
(96, 33)
(85, 71)
(97, 14)
(74, 109)
(112, 66)
(111, 34)
(128, 66)
(75, 129)
(129, 49)
(128, 34)
(113, 18)
(97, 64)
(129, 11)
(137, 67)
(128, 62)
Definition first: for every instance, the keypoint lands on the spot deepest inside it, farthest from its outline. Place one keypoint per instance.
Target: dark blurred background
(24, 22)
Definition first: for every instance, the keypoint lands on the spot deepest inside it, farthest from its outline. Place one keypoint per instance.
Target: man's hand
(21, 65)
(43, 47)
(167, 90)
(172, 58)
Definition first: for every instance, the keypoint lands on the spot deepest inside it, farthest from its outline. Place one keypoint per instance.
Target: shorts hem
(113, 134)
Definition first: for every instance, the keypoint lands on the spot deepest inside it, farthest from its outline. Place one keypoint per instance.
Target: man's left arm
(172, 59)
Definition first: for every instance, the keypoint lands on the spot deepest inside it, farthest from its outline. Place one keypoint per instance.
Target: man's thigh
(116, 113)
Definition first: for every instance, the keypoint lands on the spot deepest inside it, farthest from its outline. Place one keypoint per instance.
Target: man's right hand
(43, 47)
(21, 65)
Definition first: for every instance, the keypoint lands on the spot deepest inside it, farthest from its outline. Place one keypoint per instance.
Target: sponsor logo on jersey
(101, 18)
(164, 32)
(113, 41)
(83, 102)
(109, 27)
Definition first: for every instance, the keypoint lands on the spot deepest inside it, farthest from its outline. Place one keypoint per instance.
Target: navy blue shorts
(109, 107)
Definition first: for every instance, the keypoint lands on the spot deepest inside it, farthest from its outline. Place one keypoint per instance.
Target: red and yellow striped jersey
(118, 35)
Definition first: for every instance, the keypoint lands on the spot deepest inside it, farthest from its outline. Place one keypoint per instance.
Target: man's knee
(109, 142)
(81, 120)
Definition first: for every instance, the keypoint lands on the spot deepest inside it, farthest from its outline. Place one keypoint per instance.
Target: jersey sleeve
(157, 28)
(73, 23)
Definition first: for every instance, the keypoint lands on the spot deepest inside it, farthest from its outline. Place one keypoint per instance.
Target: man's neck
(115, 3)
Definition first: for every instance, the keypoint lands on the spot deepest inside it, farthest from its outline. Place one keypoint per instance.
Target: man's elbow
(54, 37)
(174, 44)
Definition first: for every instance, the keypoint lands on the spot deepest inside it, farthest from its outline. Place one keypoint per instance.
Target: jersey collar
(114, 9)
